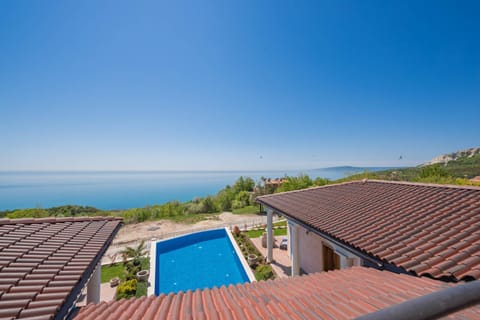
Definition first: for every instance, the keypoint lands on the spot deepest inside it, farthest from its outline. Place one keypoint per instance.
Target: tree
(321, 181)
(134, 253)
(243, 197)
(224, 199)
(209, 205)
(295, 183)
(243, 184)
(433, 171)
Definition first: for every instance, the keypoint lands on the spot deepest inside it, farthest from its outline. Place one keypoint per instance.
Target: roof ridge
(310, 188)
(4, 221)
(426, 184)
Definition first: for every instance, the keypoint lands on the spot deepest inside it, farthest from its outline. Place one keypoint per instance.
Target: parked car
(283, 244)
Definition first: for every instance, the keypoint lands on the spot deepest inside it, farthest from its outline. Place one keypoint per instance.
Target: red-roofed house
(421, 229)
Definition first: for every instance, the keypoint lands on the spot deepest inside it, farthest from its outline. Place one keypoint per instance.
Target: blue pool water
(199, 260)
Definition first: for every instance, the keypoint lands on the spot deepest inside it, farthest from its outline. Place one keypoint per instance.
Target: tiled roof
(44, 263)
(425, 229)
(342, 294)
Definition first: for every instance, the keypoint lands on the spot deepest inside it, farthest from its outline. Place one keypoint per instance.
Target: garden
(131, 275)
(261, 269)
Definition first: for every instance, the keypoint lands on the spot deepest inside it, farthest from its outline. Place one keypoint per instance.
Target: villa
(393, 250)
(419, 229)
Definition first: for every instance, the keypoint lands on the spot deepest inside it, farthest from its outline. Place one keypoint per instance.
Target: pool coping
(153, 258)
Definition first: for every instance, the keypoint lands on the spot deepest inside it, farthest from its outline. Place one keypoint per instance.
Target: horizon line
(186, 170)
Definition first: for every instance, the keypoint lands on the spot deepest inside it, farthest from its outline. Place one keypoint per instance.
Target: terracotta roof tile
(409, 225)
(342, 294)
(39, 270)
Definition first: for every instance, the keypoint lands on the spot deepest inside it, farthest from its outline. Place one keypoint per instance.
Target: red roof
(425, 229)
(342, 294)
(276, 181)
(44, 263)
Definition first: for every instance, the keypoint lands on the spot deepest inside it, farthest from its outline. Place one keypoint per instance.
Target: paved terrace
(281, 262)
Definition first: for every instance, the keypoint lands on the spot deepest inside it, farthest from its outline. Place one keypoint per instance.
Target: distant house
(420, 229)
(275, 182)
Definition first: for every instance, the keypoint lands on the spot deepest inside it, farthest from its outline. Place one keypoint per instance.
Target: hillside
(459, 155)
(453, 168)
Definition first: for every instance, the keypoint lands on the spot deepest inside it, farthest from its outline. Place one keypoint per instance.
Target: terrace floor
(281, 262)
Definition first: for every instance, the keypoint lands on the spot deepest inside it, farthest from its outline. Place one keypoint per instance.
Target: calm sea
(122, 190)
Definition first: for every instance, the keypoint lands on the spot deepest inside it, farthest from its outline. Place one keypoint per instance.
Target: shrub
(209, 205)
(263, 272)
(126, 289)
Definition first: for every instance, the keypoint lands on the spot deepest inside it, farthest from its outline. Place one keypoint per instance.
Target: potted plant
(143, 275)
(114, 282)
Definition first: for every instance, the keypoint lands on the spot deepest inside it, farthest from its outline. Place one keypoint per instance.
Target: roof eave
(67, 308)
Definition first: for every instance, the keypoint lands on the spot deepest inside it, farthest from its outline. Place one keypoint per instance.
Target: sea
(110, 190)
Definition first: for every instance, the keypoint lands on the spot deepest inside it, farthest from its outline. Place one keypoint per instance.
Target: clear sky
(192, 85)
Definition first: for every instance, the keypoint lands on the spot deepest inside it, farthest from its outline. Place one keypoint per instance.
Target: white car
(284, 244)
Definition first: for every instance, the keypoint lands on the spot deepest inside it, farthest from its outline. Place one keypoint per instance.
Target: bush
(28, 213)
(126, 289)
(263, 272)
(209, 205)
(237, 204)
(141, 289)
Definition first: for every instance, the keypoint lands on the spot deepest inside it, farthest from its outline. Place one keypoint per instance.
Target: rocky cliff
(445, 158)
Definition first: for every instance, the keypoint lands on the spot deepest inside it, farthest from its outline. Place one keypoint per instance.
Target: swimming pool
(197, 261)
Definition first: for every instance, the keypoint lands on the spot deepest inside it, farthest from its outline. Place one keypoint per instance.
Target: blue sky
(193, 85)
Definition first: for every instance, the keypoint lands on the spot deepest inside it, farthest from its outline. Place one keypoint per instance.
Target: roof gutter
(362, 255)
(431, 306)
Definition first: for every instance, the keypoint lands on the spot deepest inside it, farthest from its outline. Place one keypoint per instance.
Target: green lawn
(141, 289)
(255, 233)
(110, 272)
(280, 223)
(258, 233)
(246, 210)
(118, 270)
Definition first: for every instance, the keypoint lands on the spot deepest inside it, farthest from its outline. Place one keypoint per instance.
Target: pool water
(197, 261)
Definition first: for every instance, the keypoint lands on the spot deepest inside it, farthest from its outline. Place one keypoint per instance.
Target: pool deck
(281, 264)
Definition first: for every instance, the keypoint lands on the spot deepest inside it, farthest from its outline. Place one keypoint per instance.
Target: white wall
(311, 255)
(310, 246)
